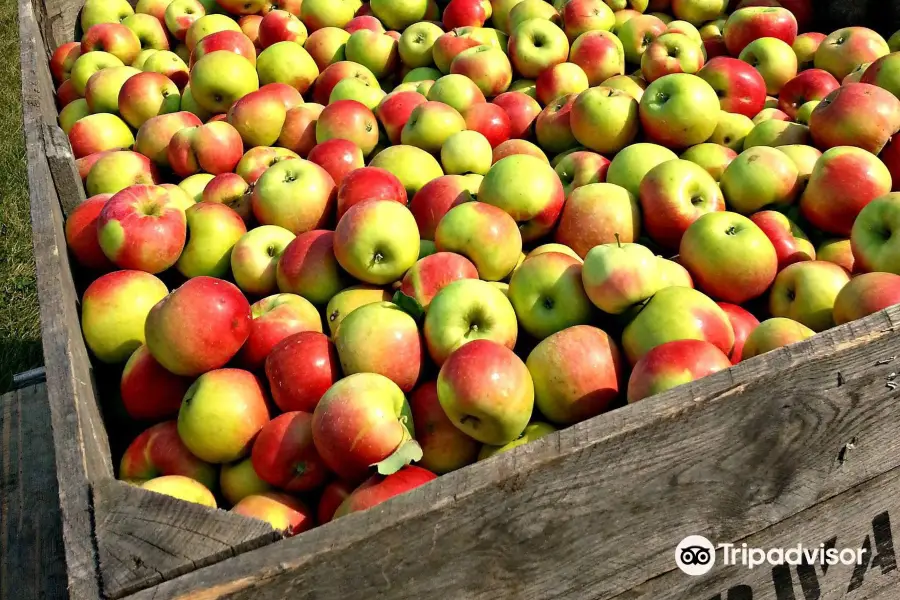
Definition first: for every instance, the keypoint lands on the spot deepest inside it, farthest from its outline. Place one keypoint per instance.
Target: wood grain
(32, 559)
(598, 508)
(78, 433)
(145, 538)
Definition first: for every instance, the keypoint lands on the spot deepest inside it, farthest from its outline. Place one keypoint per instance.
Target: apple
(434, 272)
(81, 234)
(416, 44)
(733, 131)
(361, 420)
(155, 135)
(298, 133)
(679, 110)
(489, 120)
(399, 14)
(73, 112)
(62, 60)
(300, 369)
(281, 26)
(430, 125)
(596, 214)
(97, 133)
(140, 228)
(412, 166)
(212, 148)
(866, 294)
(462, 13)
(617, 276)
(317, 14)
(844, 181)
(604, 119)
(484, 234)
(431, 203)
(712, 157)
(637, 33)
(354, 89)
(514, 147)
(536, 45)
(486, 66)
(221, 415)
(282, 512)
(581, 168)
(671, 53)
(288, 63)
(231, 41)
(759, 177)
(85, 66)
(259, 117)
(150, 31)
(444, 447)
(297, 195)
(805, 46)
(528, 189)
(147, 95)
(379, 488)
(368, 183)
(349, 299)
(117, 170)
(181, 14)
(349, 120)
(238, 480)
(181, 488)
(533, 431)
(672, 364)
(553, 128)
(307, 267)
(698, 11)
(548, 296)
(333, 495)
(677, 313)
(231, 190)
(377, 241)
(338, 157)
(775, 133)
(194, 186)
(522, 111)
(375, 51)
(600, 55)
(806, 291)
(673, 195)
(114, 38)
(487, 392)
(729, 257)
(467, 310)
(157, 452)
(448, 46)
(381, 338)
(466, 152)
(746, 25)
(257, 160)
(285, 456)
(220, 79)
(113, 311)
(813, 84)
(871, 238)
(581, 16)
(775, 61)
(326, 46)
(276, 318)
(836, 122)
(845, 49)
(394, 111)
(791, 244)
(213, 230)
(740, 87)
(882, 73)
(532, 9)
(631, 165)
(206, 26)
(742, 322)
(254, 259)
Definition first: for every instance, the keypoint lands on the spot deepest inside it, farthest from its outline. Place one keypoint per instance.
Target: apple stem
(618, 241)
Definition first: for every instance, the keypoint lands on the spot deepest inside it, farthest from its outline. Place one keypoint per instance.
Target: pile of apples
(339, 248)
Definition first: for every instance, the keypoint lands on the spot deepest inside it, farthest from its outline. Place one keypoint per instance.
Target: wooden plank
(145, 538)
(79, 437)
(69, 188)
(864, 517)
(598, 508)
(32, 560)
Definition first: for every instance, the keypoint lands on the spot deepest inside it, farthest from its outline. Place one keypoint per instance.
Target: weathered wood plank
(69, 187)
(598, 508)
(32, 560)
(145, 538)
(79, 436)
(864, 517)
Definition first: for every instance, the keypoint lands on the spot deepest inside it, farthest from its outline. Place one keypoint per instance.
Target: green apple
(535, 46)
(548, 296)
(677, 313)
(457, 91)
(357, 89)
(89, 63)
(285, 62)
(618, 276)
(731, 131)
(213, 230)
(421, 74)
(714, 158)
(806, 292)
(104, 11)
(102, 89)
(679, 110)
(501, 10)
(377, 241)
(220, 79)
(775, 133)
(467, 310)
(254, 258)
(772, 334)
(348, 300)
(466, 152)
(375, 51)
(195, 184)
(430, 125)
(533, 431)
(760, 177)
(399, 14)
(629, 166)
(413, 166)
(72, 113)
(774, 59)
(699, 12)
(416, 43)
(317, 14)
(531, 9)
(604, 120)
(875, 248)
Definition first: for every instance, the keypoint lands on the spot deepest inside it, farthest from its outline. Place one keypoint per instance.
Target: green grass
(20, 334)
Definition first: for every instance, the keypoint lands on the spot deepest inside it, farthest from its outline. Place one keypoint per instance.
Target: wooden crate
(801, 445)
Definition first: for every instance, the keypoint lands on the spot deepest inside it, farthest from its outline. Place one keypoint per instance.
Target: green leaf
(408, 452)
(410, 306)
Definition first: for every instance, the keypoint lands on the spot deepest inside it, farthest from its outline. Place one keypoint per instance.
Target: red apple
(491, 121)
(522, 110)
(62, 60)
(368, 183)
(813, 84)
(298, 133)
(791, 244)
(444, 447)
(380, 488)
(348, 120)
(465, 13)
(740, 87)
(749, 24)
(338, 157)
(284, 513)
(394, 111)
(159, 451)
(81, 234)
(274, 319)
(332, 497)
(837, 121)
(742, 322)
(212, 148)
(672, 364)
(308, 268)
(866, 294)
(436, 197)
(432, 273)
(284, 454)
(150, 392)
(300, 369)
(336, 72)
